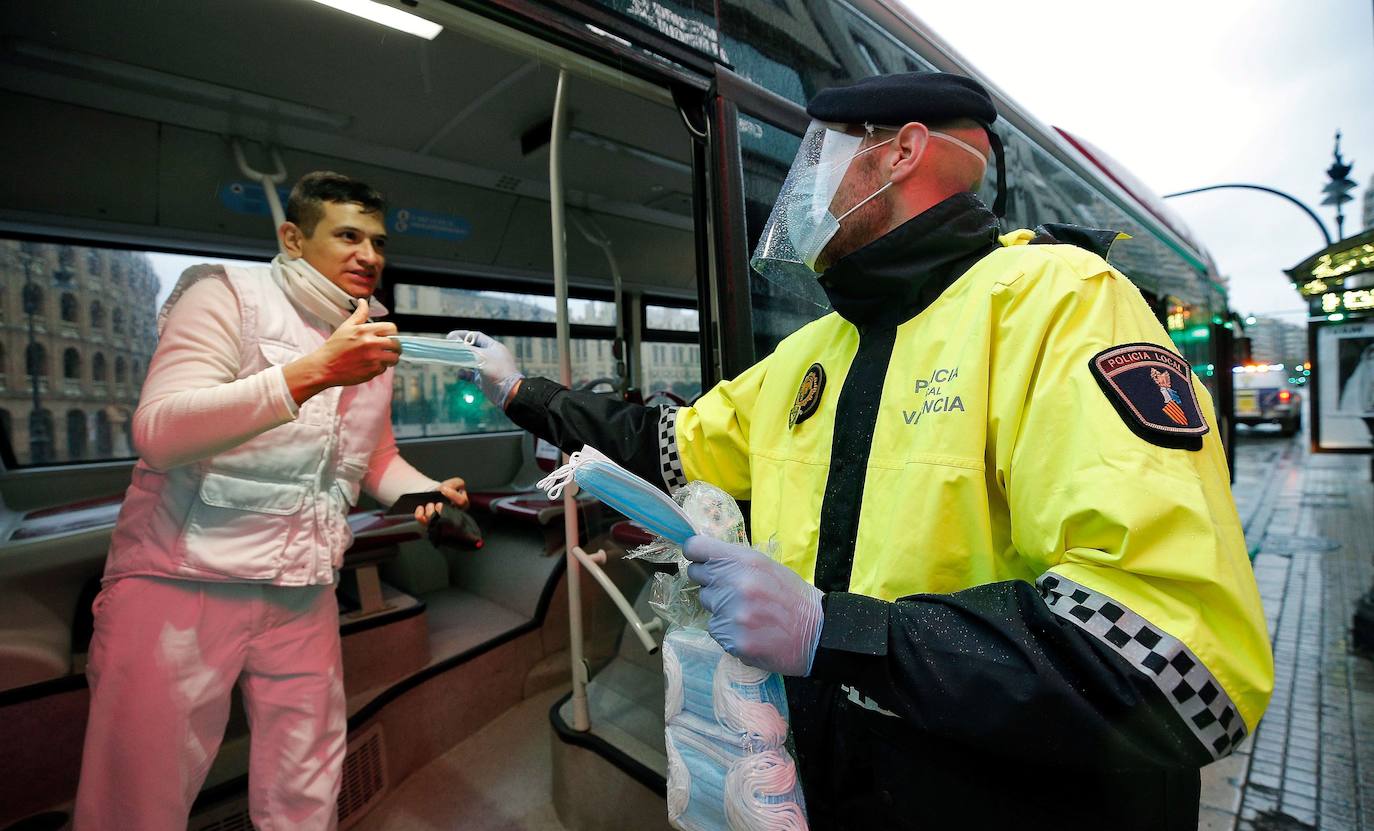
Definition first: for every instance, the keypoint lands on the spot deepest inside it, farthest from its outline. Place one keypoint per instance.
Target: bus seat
(417, 570)
(535, 507)
(35, 644)
(33, 655)
(376, 539)
(86, 515)
(520, 499)
(53, 555)
(630, 535)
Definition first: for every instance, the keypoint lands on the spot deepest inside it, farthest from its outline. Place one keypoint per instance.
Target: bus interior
(142, 138)
(115, 149)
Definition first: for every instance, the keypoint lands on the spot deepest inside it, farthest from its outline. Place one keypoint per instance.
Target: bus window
(63, 405)
(798, 49)
(593, 366)
(430, 400)
(767, 152)
(690, 22)
(497, 305)
(670, 362)
(671, 367)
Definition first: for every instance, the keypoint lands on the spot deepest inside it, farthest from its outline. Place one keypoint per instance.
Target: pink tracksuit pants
(163, 659)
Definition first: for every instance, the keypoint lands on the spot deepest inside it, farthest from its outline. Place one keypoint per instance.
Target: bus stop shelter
(1338, 284)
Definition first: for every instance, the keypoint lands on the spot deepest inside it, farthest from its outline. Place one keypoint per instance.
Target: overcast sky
(1187, 94)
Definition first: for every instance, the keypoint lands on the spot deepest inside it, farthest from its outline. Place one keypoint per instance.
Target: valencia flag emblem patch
(1152, 390)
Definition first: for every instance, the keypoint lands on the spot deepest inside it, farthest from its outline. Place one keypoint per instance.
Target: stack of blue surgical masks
(726, 723)
(437, 351)
(726, 733)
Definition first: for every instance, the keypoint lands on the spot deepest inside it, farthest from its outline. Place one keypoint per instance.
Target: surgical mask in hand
(645, 505)
(437, 351)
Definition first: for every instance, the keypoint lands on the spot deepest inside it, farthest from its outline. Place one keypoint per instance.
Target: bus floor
(498, 779)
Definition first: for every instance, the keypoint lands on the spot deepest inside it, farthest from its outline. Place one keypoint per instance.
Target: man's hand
(456, 491)
(358, 351)
(500, 377)
(761, 612)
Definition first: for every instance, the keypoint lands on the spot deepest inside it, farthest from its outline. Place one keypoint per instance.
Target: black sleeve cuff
(531, 401)
(569, 419)
(855, 629)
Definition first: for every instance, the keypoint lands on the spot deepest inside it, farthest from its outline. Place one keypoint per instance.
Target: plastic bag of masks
(726, 727)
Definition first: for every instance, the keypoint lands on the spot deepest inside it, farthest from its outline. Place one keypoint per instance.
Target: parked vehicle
(1263, 396)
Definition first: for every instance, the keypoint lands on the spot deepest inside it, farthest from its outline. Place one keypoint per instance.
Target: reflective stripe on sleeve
(669, 462)
(1190, 687)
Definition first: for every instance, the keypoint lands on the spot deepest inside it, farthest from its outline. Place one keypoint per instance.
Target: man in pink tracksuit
(266, 409)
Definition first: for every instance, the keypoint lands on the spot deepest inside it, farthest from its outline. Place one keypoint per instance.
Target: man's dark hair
(305, 206)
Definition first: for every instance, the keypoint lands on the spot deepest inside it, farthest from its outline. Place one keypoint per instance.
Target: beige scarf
(313, 292)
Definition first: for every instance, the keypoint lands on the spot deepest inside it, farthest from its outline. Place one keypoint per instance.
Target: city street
(1309, 522)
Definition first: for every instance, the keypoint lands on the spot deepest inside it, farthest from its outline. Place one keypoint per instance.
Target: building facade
(77, 329)
(433, 400)
(1274, 342)
(1369, 205)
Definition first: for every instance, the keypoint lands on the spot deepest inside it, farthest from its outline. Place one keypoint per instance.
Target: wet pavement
(1309, 522)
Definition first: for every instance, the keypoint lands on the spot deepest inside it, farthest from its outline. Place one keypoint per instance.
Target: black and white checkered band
(1164, 659)
(669, 462)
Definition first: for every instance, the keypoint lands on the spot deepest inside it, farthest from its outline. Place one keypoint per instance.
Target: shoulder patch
(1152, 390)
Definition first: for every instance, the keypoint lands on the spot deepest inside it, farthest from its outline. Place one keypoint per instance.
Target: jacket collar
(895, 277)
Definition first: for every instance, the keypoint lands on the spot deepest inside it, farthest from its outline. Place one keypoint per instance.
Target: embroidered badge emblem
(1151, 389)
(808, 396)
(1173, 402)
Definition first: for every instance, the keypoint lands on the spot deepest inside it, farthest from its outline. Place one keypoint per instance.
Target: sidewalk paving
(1309, 520)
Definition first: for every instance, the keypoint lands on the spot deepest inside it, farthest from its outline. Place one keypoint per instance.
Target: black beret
(894, 100)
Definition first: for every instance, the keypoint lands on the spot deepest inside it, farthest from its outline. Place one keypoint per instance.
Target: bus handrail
(641, 628)
(269, 181)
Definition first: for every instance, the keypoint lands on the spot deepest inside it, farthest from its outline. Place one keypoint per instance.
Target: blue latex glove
(761, 612)
(499, 373)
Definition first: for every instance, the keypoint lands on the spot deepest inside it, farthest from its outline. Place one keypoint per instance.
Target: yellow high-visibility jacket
(996, 455)
(1023, 525)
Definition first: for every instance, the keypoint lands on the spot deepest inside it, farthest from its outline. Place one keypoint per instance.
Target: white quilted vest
(274, 508)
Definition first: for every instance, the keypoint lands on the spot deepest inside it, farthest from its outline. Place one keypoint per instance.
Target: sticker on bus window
(546, 456)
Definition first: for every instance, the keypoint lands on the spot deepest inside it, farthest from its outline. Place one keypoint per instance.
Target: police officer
(1013, 588)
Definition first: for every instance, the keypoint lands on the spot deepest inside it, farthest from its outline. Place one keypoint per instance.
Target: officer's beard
(868, 223)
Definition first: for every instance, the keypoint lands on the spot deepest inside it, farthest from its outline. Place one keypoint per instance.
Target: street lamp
(40, 443)
(1326, 235)
(1338, 189)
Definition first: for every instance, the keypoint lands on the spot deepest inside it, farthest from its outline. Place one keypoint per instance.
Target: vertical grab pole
(581, 717)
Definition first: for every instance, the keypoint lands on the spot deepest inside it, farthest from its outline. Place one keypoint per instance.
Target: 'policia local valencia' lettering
(936, 401)
(1126, 359)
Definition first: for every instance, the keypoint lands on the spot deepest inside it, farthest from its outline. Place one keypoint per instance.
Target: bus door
(757, 134)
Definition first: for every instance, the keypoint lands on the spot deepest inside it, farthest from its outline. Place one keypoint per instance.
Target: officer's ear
(911, 143)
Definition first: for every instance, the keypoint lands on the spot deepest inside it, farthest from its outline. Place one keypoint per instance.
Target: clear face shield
(802, 224)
